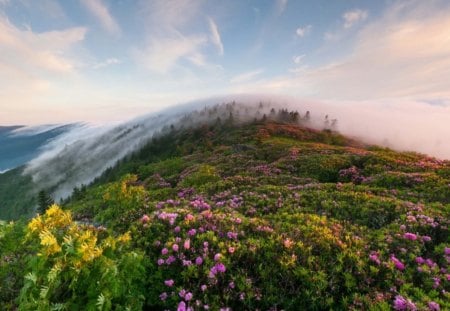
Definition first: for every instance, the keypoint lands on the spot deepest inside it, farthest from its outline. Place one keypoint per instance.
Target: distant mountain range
(19, 144)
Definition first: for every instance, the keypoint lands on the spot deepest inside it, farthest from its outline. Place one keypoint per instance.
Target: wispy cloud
(215, 35)
(99, 10)
(246, 76)
(107, 62)
(298, 58)
(354, 16)
(303, 31)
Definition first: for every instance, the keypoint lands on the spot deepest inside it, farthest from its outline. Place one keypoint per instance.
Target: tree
(44, 201)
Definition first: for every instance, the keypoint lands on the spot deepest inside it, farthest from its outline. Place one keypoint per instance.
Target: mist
(86, 151)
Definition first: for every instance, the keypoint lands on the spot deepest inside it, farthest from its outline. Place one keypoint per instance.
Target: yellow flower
(124, 238)
(36, 224)
(49, 241)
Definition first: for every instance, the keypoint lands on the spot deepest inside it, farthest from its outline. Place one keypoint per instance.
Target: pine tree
(44, 201)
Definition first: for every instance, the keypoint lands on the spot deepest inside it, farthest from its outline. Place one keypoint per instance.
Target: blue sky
(102, 60)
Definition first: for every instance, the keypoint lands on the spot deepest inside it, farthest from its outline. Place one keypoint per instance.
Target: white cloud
(107, 62)
(215, 36)
(303, 31)
(98, 9)
(162, 54)
(246, 76)
(354, 16)
(298, 58)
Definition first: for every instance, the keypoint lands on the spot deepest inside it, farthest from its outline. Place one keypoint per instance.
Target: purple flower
(434, 306)
(426, 238)
(169, 282)
(177, 229)
(163, 296)
(397, 263)
(203, 287)
(401, 303)
(220, 267)
(410, 236)
(374, 257)
(447, 251)
(217, 256)
(192, 232)
(181, 306)
(198, 261)
(170, 259)
(188, 296)
(175, 247)
(420, 260)
(232, 235)
(231, 285)
(164, 251)
(182, 293)
(160, 261)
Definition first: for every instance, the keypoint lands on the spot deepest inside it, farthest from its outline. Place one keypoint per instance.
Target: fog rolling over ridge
(82, 154)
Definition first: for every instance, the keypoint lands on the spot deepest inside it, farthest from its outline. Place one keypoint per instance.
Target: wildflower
(401, 303)
(426, 238)
(288, 243)
(181, 306)
(177, 229)
(374, 257)
(217, 256)
(163, 296)
(160, 261)
(434, 306)
(231, 285)
(220, 267)
(192, 232)
(403, 227)
(232, 235)
(447, 251)
(164, 251)
(420, 260)
(205, 244)
(231, 249)
(175, 247)
(170, 259)
(169, 282)
(410, 236)
(188, 296)
(203, 287)
(189, 217)
(198, 261)
(397, 263)
(187, 263)
(145, 219)
(187, 244)
(182, 293)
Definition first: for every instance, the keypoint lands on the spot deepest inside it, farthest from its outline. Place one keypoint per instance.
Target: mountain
(20, 144)
(240, 213)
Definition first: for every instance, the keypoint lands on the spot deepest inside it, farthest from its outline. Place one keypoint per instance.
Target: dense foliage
(268, 216)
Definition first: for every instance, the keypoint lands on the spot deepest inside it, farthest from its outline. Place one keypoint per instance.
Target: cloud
(298, 58)
(173, 41)
(107, 62)
(28, 51)
(246, 76)
(303, 31)
(162, 54)
(354, 16)
(215, 36)
(98, 9)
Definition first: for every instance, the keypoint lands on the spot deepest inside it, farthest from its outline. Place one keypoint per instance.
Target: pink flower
(426, 238)
(175, 247)
(192, 232)
(189, 217)
(160, 261)
(203, 287)
(169, 282)
(434, 306)
(447, 251)
(401, 303)
(145, 219)
(187, 244)
(420, 260)
(177, 229)
(164, 251)
(163, 296)
(181, 306)
(231, 249)
(198, 261)
(217, 256)
(188, 296)
(397, 263)
(410, 236)
(374, 257)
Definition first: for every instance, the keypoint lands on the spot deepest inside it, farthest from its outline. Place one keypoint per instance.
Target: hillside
(268, 215)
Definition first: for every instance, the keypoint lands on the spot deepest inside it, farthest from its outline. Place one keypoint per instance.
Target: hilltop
(265, 214)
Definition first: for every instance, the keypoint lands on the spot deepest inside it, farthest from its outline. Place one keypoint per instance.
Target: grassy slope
(303, 219)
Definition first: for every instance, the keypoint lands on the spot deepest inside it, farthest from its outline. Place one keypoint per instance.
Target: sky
(110, 60)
